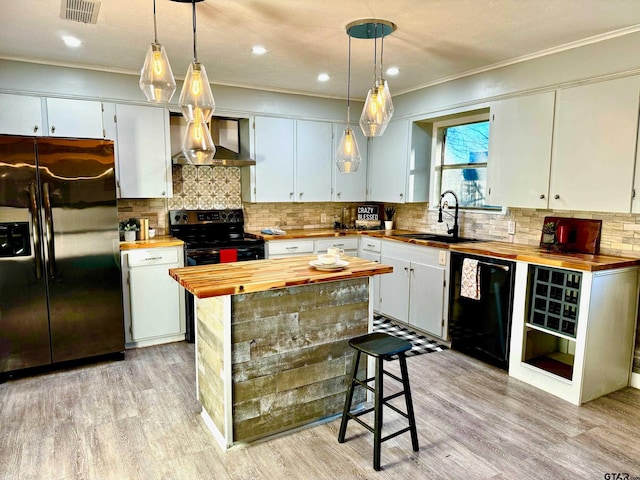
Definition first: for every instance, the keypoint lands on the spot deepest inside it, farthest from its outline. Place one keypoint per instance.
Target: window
(462, 154)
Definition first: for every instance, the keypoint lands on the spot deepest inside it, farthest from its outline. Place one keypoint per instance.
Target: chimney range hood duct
(230, 136)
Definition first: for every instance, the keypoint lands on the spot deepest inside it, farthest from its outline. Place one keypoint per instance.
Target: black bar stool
(381, 346)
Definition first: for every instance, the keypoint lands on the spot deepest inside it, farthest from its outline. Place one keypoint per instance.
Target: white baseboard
(635, 380)
(214, 430)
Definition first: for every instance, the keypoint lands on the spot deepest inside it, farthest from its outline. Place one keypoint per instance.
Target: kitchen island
(271, 341)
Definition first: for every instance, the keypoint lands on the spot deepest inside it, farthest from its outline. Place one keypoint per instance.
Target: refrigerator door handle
(51, 249)
(33, 204)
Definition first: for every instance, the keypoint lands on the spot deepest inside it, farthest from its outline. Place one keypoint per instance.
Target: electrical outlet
(323, 218)
(511, 227)
(442, 258)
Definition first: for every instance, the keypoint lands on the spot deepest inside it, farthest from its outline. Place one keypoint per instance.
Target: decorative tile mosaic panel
(205, 187)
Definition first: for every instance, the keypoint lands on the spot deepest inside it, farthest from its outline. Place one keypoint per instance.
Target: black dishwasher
(482, 327)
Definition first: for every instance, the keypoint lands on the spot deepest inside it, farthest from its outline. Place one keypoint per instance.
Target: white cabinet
(594, 146)
(289, 248)
(572, 332)
(399, 164)
(370, 248)
(153, 301)
(347, 243)
(313, 161)
(293, 161)
(74, 118)
(350, 187)
(56, 117)
(274, 154)
(20, 115)
(143, 150)
(520, 151)
(416, 291)
(388, 164)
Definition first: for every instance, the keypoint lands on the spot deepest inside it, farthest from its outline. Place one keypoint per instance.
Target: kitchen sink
(437, 238)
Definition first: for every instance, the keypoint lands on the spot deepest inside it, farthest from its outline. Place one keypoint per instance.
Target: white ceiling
(435, 39)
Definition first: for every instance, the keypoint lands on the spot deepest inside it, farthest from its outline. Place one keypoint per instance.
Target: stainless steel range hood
(230, 136)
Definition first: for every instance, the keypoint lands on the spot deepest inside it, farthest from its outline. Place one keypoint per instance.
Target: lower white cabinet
(153, 301)
(295, 247)
(416, 292)
(289, 248)
(572, 333)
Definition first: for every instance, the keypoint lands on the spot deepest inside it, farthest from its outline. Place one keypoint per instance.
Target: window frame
(438, 129)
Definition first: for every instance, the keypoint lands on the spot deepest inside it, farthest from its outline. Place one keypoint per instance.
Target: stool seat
(381, 347)
(380, 344)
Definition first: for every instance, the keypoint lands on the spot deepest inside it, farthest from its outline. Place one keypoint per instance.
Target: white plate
(339, 265)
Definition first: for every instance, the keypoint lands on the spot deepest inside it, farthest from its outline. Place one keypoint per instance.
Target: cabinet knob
(53, 129)
(164, 193)
(542, 196)
(301, 194)
(291, 194)
(35, 129)
(556, 196)
(401, 195)
(489, 191)
(338, 194)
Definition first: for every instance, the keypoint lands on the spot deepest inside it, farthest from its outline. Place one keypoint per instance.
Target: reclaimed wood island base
(271, 341)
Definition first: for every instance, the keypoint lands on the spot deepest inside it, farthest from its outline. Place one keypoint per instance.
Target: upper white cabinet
(25, 115)
(349, 187)
(520, 151)
(20, 115)
(388, 164)
(594, 146)
(399, 164)
(274, 149)
(574, 153)
(74, 118)
(143, 152)
(293, 161)
(313, 163)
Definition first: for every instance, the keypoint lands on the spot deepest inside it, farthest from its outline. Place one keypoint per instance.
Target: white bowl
(328, 259)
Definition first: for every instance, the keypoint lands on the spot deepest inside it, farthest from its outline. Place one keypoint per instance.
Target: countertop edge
(155, 242)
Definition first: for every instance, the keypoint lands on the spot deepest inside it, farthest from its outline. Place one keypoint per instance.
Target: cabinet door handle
(292, 248)
(556, 196)
(35, 129)
(542, 196)
(53, 129)
(338, 245)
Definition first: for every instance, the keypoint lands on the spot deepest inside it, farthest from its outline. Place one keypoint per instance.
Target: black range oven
(212, 236)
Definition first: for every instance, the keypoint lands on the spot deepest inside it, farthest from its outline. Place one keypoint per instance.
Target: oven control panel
(194, 217)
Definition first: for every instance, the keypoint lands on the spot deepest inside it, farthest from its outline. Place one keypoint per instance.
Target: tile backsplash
(205, 187)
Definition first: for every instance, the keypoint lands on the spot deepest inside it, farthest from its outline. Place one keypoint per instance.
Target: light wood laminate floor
(139, 419)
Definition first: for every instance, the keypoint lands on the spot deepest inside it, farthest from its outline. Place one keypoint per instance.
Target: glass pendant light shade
(197, 144)
(156, 78)
(196, 94)
(348, 158)
(377, 111)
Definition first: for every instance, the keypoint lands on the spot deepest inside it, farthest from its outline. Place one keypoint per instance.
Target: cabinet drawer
(370, 244)
(153, 256)
(345, 243)
(290, 247)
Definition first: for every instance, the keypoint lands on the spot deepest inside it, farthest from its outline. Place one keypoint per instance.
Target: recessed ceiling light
(323, 77)
(258, 50)
(393, 71)
(71, 41)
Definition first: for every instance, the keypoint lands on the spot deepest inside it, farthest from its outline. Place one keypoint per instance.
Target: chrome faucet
(453, 230)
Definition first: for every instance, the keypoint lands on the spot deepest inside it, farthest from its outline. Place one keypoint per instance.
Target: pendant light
(378, 107)
(156, 78)
(348, 158)
(197, 104)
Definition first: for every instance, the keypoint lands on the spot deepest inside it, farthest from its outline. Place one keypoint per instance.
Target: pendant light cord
(195, 52)
(155, 29)
(349, 86)
(382, 56)
(375, 52)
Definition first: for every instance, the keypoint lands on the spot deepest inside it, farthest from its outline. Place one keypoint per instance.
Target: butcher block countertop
(163, 241)
(206, 281)
(302, 233)
(540, 256)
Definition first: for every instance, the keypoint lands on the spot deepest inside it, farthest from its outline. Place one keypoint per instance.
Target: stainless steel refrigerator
(60, 287)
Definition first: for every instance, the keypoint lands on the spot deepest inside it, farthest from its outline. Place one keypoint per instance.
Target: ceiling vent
(82, 11)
